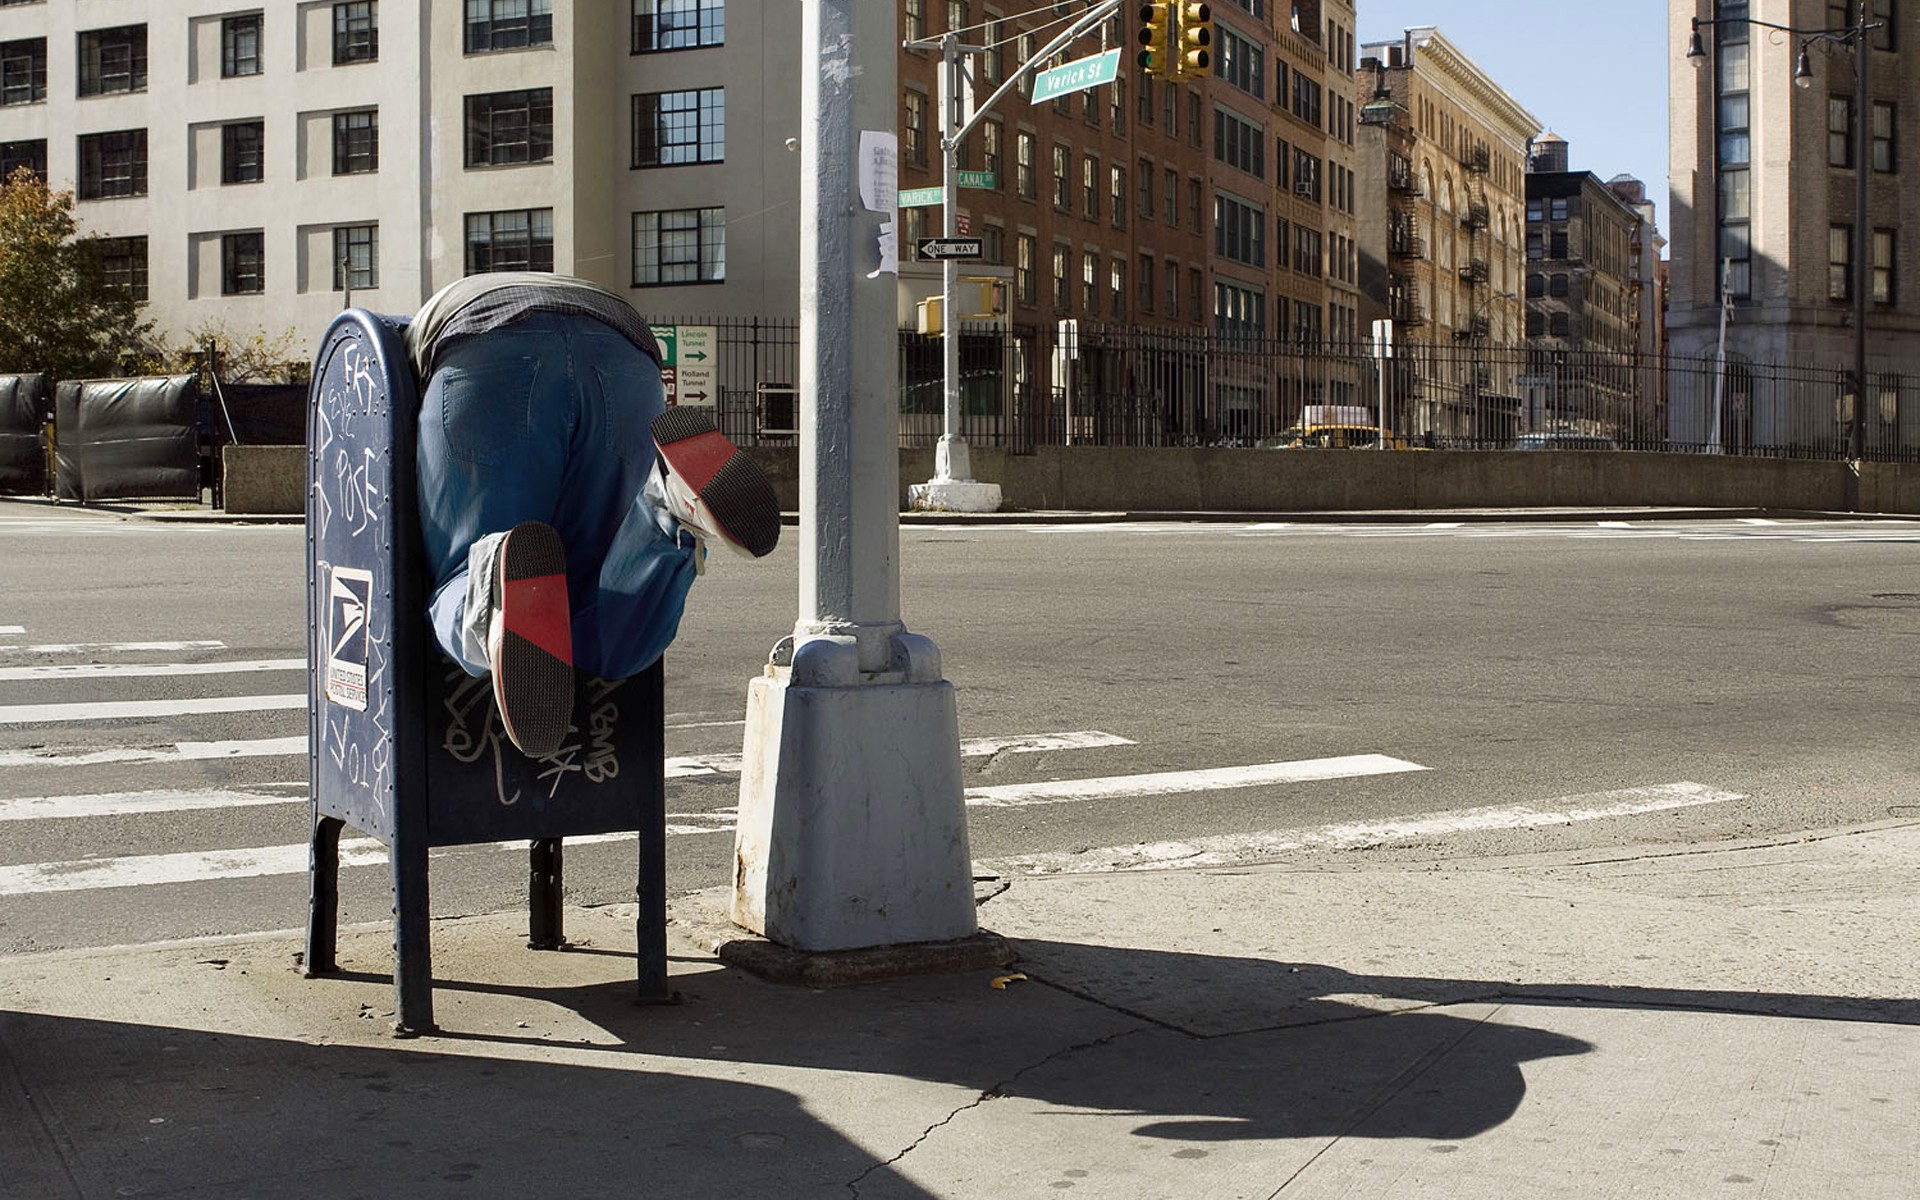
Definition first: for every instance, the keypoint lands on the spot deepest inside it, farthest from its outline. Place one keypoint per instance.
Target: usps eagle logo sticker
(348, 593)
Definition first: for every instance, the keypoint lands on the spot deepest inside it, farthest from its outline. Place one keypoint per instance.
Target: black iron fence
(1026, 386)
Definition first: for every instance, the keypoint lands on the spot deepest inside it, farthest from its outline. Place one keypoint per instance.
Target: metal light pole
(1854, 35)
(853, 828)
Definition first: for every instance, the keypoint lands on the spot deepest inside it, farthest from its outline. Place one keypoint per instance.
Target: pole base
(853, 824)
(954, 495)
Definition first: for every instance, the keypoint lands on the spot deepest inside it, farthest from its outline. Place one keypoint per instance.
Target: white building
(253, 164)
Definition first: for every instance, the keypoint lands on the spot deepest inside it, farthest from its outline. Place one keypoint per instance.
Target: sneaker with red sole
(530, 639)
(711, 487)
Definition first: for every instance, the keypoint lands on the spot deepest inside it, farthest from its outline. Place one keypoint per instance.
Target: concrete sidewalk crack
(993, 1092)
(1388, 1092)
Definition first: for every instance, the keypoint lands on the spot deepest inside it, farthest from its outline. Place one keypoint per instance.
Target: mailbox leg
(323, 898)
(412, 943)
(545, 924)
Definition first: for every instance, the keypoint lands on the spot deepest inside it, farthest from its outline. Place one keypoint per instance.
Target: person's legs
(495, 422)
(628, 567)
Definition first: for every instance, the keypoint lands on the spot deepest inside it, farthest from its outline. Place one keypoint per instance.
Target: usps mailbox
(406, 747)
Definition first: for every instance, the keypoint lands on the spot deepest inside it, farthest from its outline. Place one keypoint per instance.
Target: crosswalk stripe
(39, 714)
(181, 752)
(678, 767)
(137, 670)
(118, 804)
(1167, 783)
(110, 647)
(1232, 849)
(205, 865)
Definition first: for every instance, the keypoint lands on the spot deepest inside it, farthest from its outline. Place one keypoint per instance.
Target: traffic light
(1193, 41)
(1156, 39)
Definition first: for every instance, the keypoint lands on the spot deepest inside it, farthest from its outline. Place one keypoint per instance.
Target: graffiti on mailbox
(474, 733)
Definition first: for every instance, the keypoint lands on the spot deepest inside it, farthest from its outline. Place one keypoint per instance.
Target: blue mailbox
(404, 745)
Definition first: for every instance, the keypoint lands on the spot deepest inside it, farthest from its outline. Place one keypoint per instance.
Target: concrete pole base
(853, 821)
(954, 495)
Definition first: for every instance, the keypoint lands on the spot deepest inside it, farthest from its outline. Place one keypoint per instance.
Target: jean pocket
(486, 410)
(630, 398)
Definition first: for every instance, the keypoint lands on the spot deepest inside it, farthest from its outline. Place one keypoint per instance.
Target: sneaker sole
(731, 486)
(533, 640)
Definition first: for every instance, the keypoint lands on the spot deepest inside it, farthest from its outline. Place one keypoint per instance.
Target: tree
(257, 357)
(58, 313)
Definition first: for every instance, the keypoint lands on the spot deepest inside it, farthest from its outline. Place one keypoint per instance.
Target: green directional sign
(1076, 76)
(978, 179)
(922, 197)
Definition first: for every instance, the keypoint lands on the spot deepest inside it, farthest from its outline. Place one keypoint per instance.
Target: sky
(1596, 74)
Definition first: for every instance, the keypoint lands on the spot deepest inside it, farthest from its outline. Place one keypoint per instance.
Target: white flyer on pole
(879, 170)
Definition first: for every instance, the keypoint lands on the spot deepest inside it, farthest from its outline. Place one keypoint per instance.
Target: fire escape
(1475, 218)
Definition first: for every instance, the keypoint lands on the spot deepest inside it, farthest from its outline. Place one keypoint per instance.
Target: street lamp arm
(1697, 52)
(1087, 23)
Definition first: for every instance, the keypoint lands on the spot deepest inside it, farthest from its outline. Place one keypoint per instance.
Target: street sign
(942, 247)
(1076, 76)
(689, 363)
(978, 179)
(922, 197)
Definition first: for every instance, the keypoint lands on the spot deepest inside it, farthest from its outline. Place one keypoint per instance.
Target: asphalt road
(1518, 664)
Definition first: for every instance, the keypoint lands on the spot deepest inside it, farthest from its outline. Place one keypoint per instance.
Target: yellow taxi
(1335, 437)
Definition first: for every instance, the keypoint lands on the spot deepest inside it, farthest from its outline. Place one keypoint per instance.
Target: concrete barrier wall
(264, 480)
(272, 480)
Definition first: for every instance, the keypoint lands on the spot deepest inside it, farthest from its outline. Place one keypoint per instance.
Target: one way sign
(951, 247)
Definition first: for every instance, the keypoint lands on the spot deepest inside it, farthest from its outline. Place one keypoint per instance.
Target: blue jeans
(549, 419)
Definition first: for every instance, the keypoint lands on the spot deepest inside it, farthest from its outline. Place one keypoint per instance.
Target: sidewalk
(1689, 1021)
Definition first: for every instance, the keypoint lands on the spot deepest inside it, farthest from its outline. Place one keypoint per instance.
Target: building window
(1840, 131)
(1887, 36)
(1118, 111)
(123, 264)
(1117, 287)
(683, 245)
(23, 71)
(672, 129)
(992, 150)
(913, 227)
(1840, 262)
(515, 240)
(1884, 244)
(1023, 281)
(243, 263)
(993, 65)
(1117, 195)
(1062, 178)
(113, 60)
(1239, 143)
(1023, 166)
(913, 25)
(508, 24)
(1145, 181)
(678, 24)
(913, 129)
(505, 128)
(240, 46)
(30, 153)
(113, 164)
(1883, 141)
(993, 245)
(1239, 231)
(1239, 312)
(1241, 63)
(356, 257)
(356, 33)
(1144, 280)
(1060, 294)
(356, 142)
(1170, 196)
(1306, 99)
(1308, 251)
(241, 155)
(1090, 188)
(1557, 284)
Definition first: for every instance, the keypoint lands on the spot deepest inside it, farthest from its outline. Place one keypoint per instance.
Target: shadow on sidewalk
(96, 1108)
